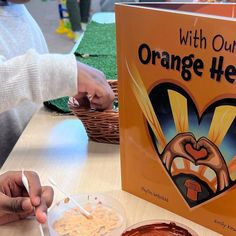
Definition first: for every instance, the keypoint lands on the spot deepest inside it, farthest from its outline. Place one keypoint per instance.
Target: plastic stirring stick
(83, 211)
(26, 184)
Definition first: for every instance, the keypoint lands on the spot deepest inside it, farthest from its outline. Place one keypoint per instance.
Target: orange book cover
(177, 106)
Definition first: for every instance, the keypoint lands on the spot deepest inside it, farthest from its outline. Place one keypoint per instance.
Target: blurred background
(47, 16)
(46, 13)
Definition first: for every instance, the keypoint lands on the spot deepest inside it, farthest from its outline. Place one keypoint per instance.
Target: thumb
(15, 205)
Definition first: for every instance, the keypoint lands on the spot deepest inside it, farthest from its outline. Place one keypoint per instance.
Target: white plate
(60, 208)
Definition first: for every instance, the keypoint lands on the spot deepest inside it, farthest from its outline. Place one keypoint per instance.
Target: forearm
(37, 78)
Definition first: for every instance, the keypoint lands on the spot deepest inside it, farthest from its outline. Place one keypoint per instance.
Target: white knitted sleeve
(37, 78)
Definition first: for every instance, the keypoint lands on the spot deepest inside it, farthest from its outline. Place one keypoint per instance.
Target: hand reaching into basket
(92, 84)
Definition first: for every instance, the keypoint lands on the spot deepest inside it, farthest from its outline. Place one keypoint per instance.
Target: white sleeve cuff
(57, 75)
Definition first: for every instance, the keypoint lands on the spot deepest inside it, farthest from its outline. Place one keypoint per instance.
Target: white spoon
(82, 210)
(26, 184)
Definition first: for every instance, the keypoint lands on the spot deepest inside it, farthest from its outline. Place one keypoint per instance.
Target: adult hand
(92, 83)
(17, 204)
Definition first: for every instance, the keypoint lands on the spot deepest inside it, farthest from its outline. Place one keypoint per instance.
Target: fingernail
(44, 217)
(90, 97)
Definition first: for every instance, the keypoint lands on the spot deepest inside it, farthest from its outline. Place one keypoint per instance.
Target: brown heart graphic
(199, 155)
(196, 153)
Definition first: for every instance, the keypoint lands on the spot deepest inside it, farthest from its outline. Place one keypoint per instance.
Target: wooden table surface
(57, 146)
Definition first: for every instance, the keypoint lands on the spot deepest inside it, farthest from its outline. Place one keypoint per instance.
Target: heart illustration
(196, 154)
(191, 179)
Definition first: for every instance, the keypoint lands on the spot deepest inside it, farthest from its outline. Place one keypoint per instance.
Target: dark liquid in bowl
(158, 229)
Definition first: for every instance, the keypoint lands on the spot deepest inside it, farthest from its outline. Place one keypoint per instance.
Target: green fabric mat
(98, 39)
(99, 42)
(58, 105)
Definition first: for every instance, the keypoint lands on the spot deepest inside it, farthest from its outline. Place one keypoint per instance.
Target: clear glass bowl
(57, 211)
(150, 222)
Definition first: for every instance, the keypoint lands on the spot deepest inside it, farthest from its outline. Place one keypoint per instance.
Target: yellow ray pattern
(179, 107)
(144, 102)
(222, 119)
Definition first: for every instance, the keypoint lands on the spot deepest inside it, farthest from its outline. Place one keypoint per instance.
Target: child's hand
(17, 204)
(92, 83)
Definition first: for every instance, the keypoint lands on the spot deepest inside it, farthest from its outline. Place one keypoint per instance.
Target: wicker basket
(101, 126)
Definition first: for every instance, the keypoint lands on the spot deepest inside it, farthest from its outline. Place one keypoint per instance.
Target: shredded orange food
(103, 221)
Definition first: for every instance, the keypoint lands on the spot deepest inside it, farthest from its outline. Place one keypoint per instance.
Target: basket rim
(91, 110)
